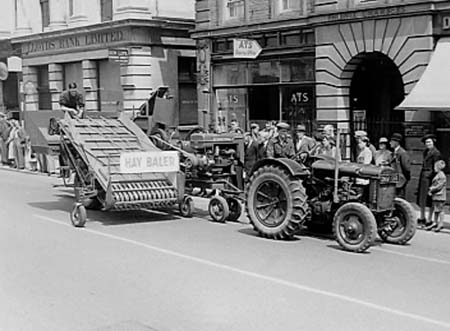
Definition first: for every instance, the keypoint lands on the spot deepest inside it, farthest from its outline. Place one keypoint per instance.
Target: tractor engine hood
(352, 169)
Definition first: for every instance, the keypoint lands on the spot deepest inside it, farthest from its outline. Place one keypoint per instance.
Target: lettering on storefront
(300, 97)
(367, 13)
(64, 43)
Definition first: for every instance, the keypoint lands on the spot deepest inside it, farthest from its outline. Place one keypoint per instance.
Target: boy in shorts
(438, 193)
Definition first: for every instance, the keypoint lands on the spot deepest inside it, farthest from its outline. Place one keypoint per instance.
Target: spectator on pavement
(359, 134)
(438, 193)
(252, 153)
(401, 163)
(430, 155)
(19, 144)
(303, 144)
(326, 147)
(383, 156)
(5, 128)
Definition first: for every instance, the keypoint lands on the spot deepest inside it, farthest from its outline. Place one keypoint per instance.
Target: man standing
(401, 163)
(282, 144)
(71, 101)
(303, 144)
(5, 128)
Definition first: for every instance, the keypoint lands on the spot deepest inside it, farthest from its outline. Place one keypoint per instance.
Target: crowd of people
(276, 140)
(15, 147)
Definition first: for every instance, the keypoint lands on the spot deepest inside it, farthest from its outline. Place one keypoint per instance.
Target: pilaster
(57, 14)
(30, 82)
(55, 82)
(90, 79)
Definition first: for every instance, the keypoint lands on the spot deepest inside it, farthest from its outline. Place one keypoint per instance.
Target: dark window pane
(264, 72)
(106, 10)
(297, 70)
(45, 13)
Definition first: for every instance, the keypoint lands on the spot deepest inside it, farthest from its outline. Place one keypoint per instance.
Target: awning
(432, 91)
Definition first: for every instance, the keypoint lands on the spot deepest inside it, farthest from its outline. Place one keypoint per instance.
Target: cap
(383, 140)
(283, 125)
(397, 137)
(360, 133)
(365, 139)
(300, 127)
(254, 125)
(428, 136)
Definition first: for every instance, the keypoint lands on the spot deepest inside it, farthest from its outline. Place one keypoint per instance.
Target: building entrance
(376, 89)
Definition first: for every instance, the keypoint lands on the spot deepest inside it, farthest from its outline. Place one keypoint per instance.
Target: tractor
(358, 201)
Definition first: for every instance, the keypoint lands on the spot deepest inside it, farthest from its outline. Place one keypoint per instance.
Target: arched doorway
(376, 89)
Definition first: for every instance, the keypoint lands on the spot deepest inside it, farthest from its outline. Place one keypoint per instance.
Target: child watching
(438, 193)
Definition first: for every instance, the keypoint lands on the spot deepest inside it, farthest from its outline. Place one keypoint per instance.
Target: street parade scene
(208, 165)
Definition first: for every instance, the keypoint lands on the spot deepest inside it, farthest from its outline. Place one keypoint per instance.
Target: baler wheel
(218, 209)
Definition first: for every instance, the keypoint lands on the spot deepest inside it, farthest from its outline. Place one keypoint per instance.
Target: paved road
(154, 271)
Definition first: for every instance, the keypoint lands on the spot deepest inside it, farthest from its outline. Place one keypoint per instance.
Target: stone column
(30, 82)
(79, 16)
(137, 9)
(55, 82)
(57, 14)
(22, 23)
(136, 78)
(90, 84)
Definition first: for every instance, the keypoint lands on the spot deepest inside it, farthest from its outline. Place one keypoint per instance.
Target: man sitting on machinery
(71, 101)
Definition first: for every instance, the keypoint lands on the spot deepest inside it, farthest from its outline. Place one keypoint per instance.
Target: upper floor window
(70, 8)
(283, 6)
(234, 9)
(45, 13)
(106, 9)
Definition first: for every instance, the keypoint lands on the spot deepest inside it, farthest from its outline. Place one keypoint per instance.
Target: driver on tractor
(282, 144)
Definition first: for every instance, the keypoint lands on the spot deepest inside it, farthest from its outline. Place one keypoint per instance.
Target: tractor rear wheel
(354, 227)
(405, 227)
(276, 202)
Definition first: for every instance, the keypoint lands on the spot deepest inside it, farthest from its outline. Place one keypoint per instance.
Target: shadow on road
(252, 233)
(64, 202)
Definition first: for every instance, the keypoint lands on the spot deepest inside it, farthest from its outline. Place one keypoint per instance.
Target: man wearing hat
(383, 156)
(303, 144)
(234, 126)
(282, 144)
(401, 163)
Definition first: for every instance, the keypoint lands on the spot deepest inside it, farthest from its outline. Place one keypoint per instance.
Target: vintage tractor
(357, 200)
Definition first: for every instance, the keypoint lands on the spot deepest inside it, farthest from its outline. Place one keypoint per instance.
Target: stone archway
(376, 88)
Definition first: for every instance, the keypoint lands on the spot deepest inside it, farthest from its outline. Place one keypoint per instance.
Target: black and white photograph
(224, 165)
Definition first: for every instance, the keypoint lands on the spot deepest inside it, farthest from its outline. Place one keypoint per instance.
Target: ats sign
(246, 49)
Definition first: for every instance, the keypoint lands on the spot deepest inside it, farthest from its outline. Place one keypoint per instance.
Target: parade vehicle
(358, 201)
(117, 167)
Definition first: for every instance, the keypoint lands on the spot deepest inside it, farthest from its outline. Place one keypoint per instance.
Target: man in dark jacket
(71, 101)
(282, 144)
(5, 128)
(401, 163)
(252, 153)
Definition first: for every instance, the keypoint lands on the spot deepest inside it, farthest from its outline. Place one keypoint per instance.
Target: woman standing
(383, 156)
(430, 155)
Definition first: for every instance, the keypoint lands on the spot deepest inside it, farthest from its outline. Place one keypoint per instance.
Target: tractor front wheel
(354, 227)
(276, 202)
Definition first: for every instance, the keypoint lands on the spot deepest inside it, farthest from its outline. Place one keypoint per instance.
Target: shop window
(298, 105)
(264, 103)
(264, 72)
(187, 88)
(230, 74)
(231, 103)
(44, 95)
(45, 13)
(285, 6)
(297, 70)
(10, 91)
(106, 10)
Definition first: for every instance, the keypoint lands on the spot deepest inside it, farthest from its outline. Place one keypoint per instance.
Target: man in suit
(303, 144)
(401, 163)
(281, 145)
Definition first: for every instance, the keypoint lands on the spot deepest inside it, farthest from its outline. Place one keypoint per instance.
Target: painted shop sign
(71, 42)
(372, 13)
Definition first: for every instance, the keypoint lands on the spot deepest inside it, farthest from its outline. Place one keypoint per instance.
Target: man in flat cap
(303, 144)
(401, 163)
(282, 144)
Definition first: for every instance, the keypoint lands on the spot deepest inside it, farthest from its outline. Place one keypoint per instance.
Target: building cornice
(323, 19)
(158, 23)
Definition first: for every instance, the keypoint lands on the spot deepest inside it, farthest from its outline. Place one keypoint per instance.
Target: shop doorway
(376, 89)
(264, 103)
